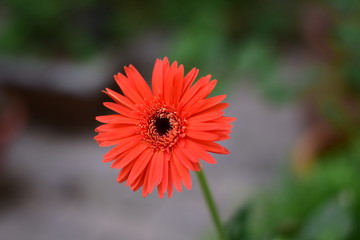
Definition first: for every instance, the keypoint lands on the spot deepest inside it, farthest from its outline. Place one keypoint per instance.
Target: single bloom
(160, 135)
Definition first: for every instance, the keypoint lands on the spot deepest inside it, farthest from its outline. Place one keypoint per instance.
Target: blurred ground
(65, 192)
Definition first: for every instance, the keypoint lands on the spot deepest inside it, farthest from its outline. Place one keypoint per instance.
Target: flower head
(162, 134)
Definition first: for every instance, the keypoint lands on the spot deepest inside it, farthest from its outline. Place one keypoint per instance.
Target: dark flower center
(162, 125)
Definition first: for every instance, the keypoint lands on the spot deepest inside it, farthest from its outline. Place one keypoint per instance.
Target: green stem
(211, 204)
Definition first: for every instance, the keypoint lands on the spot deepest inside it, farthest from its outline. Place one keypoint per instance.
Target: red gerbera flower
(161, 135)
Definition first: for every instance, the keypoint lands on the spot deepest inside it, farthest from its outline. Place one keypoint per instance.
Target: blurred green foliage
(346, 38)
(324, 205)
(236, 38)
(206, 33)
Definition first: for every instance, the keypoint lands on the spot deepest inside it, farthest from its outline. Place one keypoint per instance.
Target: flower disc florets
(161, 126)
